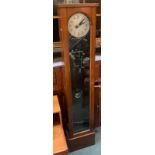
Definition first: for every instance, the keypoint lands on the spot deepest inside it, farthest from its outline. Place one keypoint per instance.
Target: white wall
(129, 77)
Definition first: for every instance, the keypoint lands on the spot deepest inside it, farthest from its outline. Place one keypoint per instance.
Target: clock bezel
(89, 22)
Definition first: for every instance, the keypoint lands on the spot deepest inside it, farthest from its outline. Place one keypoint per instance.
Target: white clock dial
(78, 25)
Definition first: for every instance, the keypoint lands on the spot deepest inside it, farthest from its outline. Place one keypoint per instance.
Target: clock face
(78, 25)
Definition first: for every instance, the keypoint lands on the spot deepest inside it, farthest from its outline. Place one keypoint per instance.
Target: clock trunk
(79, 58)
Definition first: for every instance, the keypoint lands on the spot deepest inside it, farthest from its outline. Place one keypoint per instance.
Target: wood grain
(65, 11)
(59, 140)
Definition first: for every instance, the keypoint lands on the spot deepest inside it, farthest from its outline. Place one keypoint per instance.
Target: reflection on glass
(79, 64)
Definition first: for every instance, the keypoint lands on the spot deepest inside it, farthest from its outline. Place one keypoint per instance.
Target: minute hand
(82, 22)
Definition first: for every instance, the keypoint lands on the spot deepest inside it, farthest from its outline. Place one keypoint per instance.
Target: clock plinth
(81, 141)
(77, 23)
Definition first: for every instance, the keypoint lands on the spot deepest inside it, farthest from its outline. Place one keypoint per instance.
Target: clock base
(82, 141)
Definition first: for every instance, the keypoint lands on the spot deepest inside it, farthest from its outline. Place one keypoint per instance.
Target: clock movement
(77, 26)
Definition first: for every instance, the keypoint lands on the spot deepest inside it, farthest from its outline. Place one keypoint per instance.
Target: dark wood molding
(77, 5)
(81, 141)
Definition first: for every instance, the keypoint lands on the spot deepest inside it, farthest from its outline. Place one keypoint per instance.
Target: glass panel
(79, 65)
(55, 30)
(98, 27)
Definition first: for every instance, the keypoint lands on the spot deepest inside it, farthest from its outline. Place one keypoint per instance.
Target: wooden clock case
(87, 137)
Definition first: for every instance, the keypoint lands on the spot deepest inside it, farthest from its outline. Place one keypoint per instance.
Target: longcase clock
(77, 27)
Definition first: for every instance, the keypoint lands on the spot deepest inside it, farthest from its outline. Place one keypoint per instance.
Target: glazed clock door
(79, 41)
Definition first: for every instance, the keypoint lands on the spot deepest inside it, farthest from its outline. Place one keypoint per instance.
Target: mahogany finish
(82, 141)
(58, 79)
(58, 90)
(97, 101)
(85, 138)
